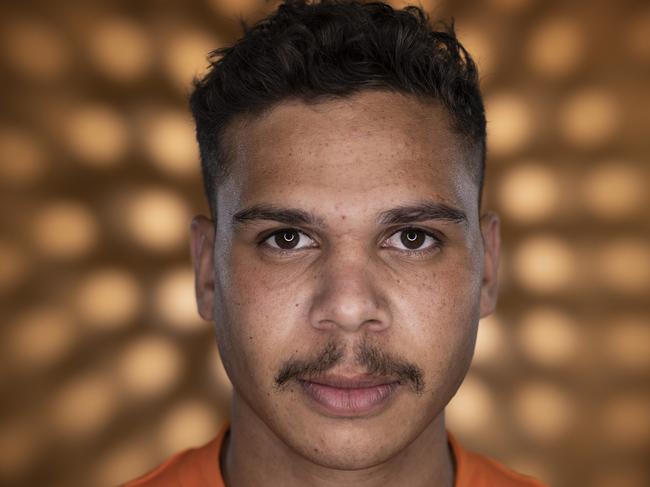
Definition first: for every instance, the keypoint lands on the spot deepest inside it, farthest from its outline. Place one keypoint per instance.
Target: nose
(347, 297)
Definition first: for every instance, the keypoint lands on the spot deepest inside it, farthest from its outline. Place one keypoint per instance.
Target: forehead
(373, 146)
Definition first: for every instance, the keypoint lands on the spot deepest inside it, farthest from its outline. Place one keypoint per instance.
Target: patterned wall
(104, 365)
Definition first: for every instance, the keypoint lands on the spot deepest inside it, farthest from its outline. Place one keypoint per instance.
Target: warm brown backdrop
(105, 368)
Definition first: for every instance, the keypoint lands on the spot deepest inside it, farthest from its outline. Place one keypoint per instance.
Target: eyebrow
(288, 216)
(422, 211)
(419, 212)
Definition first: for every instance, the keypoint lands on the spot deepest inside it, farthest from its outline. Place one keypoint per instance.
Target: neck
(253, 455)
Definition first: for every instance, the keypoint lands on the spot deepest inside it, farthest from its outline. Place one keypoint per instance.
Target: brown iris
(287, 239)
(412, 239)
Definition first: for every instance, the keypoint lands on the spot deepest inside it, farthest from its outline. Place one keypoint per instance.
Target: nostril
(376, 325)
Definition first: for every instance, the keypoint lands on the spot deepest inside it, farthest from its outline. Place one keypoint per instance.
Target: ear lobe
(490, 231)
(202, 249)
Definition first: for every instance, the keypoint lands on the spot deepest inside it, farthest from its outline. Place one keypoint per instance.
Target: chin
(357, 454)
(349, 444)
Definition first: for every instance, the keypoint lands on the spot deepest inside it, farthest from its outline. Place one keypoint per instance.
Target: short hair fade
(314, 51)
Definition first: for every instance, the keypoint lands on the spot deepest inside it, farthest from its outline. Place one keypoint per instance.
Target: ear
(490, 230)
(202, 248)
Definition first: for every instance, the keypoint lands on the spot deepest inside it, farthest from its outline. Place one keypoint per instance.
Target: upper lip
(358, 381)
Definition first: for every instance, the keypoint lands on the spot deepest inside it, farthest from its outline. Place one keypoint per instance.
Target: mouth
(349, 396)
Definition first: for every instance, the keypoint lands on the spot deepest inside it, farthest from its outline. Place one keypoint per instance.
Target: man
(346, 262)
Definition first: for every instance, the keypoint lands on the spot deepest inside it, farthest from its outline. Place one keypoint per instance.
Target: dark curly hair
(335, 48)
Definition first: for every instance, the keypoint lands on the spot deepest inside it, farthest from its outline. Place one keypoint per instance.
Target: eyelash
(281, 252)
(439, 241)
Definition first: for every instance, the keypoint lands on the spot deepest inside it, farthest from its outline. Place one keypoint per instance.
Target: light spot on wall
(549, 337)
(509, 123)
(555, 47)
(480, 47)
(529, 192)
(185, 55)
(169, 140)
(589, 118)
(64, 229)
(149, 367)
(544, 264)
(120, 49)
(97, 135)
(614, 190)
(156, 218)
(108, 299)
(176, 302)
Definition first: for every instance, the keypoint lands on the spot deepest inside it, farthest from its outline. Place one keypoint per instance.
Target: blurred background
(106, 369)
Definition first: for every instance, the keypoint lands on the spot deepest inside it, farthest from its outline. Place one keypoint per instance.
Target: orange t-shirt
(199, 467)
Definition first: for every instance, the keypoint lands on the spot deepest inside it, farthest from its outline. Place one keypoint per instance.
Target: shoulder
(474, 470)
(189, 468)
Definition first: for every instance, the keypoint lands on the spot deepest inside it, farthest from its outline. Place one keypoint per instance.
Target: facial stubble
(376, 363)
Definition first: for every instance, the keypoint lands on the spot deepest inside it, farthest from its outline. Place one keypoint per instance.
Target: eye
(412, 239)
(288, 239)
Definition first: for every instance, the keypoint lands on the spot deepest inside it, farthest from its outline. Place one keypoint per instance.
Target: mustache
(375, 361)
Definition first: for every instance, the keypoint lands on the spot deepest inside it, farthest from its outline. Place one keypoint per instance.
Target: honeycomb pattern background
(105, 367)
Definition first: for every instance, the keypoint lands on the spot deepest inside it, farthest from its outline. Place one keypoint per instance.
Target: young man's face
(347, 323)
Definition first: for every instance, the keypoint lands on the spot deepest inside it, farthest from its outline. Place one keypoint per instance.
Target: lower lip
(342, 402)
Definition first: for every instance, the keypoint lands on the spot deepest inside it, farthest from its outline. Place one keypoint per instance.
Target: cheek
(439, 312)
(260, 310)
(265, 300)
(443, 297)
